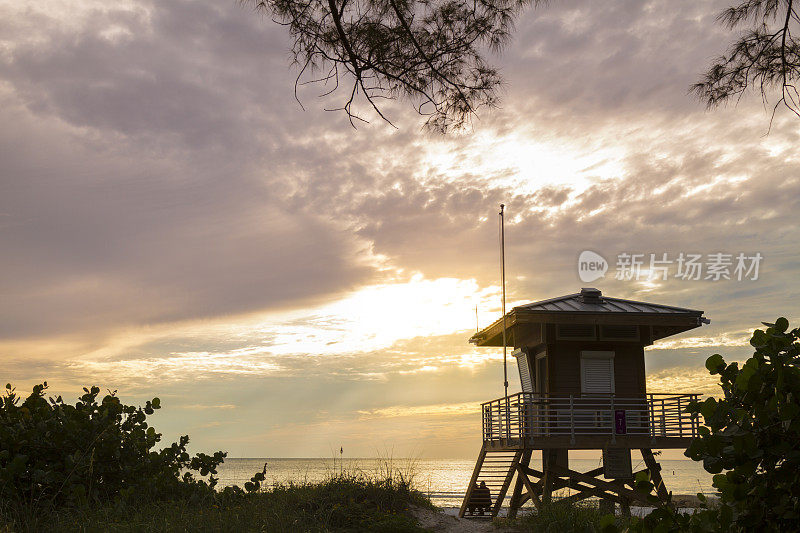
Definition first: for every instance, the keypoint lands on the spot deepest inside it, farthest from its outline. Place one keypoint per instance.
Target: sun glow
(378, 316)
(398, 319)
(523, 161)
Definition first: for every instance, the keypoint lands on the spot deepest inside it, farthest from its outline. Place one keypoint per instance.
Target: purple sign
(620, 422)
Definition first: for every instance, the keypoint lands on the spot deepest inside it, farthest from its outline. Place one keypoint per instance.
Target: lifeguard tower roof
(590, 306)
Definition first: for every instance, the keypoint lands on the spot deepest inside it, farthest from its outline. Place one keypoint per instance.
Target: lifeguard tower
(581, 366)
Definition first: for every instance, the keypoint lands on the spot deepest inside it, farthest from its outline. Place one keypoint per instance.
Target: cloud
(200, 406)
(599, 59)
(732, 338)
(684, 380)
(452, 409)
(132, 188)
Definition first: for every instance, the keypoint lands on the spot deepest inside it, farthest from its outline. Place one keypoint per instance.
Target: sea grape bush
(53, 453)
(750, 442)
(753, 432)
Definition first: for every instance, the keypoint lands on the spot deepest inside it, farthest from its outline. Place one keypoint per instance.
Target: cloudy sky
(174, 223)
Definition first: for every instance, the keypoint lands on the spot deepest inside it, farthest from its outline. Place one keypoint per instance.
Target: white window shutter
(524, 370)
(597, 372)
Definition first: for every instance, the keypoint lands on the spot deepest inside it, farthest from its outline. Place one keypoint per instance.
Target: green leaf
(713, 465)
(781, 325)
(714, 362)
(709, 408)
(720, 480)
(747, 372)
(759, 338)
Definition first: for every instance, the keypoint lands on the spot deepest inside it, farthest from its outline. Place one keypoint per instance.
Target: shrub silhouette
(750, 442)
(54, 454)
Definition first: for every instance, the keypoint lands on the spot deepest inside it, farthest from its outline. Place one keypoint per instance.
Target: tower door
(542, 386)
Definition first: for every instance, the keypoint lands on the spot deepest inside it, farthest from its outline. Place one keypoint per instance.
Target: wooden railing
(530, 415)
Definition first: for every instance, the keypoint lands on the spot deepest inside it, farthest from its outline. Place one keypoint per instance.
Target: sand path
(438, 521)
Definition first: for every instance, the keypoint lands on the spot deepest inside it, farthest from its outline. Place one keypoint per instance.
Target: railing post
(508, 421)
(651, 415)
(487, 425)
(680, 418)
(500, 420)
(572, 419)
(489, 417)
(663, 419)
(497, 407)
(611, 419)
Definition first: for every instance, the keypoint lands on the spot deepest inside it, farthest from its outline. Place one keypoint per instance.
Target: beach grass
(580, 517)
(344, 502)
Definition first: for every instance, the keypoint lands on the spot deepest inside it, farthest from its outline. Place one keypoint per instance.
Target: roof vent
(591, 296)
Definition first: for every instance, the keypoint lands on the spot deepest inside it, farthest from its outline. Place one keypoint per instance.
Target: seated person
(480, 500)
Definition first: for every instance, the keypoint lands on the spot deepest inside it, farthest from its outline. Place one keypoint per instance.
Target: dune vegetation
(94, 466)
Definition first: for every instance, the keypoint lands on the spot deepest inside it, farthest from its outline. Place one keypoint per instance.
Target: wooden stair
(496, 468)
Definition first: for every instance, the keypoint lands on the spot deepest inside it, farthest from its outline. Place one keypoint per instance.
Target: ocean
(445, 481)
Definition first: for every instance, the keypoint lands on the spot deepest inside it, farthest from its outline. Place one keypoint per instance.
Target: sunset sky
(173, 223)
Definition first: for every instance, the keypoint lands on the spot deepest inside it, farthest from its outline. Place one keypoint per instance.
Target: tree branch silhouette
(429, 52)
(766, 55)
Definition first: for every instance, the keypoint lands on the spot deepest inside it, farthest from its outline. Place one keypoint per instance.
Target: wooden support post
(549, 459)
(578, 496)
(533, 490)
(547, 486)
(614, 490)
(516, 497)
(595, 472)
(655, 474)
(588, 486)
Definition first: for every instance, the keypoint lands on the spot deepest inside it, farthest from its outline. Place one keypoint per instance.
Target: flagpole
(503, 279)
